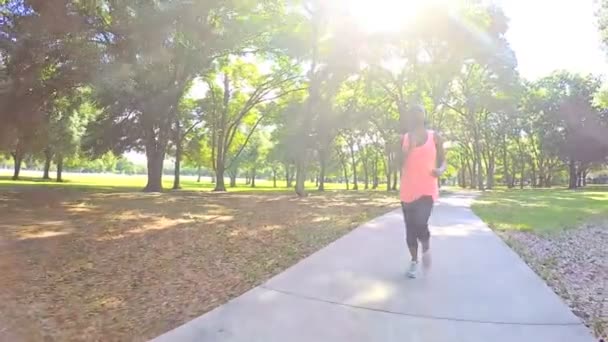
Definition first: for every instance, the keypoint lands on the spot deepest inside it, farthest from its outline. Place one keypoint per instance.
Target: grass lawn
(111, 264)
(114, 182)
(542, 210)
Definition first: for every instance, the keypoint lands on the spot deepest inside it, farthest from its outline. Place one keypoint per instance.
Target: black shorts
(416, 215)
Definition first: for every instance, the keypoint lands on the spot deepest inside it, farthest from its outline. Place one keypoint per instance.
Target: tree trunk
(221, 143)
(301, 177)
(233, 180)
(312, 102)
(18, 159)
(532, 174)
(479, 174)
(522, 175)
(219, 177)
(59, 168)
(572, 172)
(220, 166)
(178, 155)
(395, 179)
(345, 171)
(274, 178)
(198, 173)
(542, 172)
(178, 163)
(512, 173)
(48, 158)
(490, 173)
(375, 171)
(387, 171)
(463, 174)
(477, 156)
(547, 182)
(287, 176)
(585, 173)
(155, 169)
(322, 167)
(354, 164)
(505, 162)
(579, 177)
(471, 170)
(366, 172)
(461, 178)
(253, 174)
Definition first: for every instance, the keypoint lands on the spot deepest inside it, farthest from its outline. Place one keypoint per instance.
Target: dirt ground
(79, 266)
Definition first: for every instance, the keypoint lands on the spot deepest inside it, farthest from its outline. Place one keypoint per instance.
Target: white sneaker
(413, 270)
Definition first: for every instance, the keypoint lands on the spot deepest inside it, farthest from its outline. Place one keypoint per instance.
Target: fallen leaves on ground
(575, 264)
(80, 266)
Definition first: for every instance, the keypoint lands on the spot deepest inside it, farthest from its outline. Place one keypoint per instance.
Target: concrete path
(356, 290)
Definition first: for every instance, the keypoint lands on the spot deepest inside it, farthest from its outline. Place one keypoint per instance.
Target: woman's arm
(441, 162)
(405, 149)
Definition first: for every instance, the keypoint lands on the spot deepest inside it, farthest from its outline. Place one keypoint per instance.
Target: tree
(283, 152)
(46, 51)
(255, 155)
(580, 129)
(125, 166)
(329, 49)
(154, 50)
(342, 154)
(244, 99)
(198, 152)
(186, 121)
(340, 103)
(274, 159)
(21, 140)
(67, 122)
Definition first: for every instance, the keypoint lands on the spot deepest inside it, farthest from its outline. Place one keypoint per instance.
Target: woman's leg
(425, 207)
(411, 235)
(417, 216)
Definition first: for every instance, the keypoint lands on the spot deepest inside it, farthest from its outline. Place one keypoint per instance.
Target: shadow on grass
(123, 263)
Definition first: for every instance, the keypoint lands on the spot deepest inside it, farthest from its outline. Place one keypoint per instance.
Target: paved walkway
(356, 290)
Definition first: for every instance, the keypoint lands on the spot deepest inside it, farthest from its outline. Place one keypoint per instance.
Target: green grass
(542, 210)
(114, 183)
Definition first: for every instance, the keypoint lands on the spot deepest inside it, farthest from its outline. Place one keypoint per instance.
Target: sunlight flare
(386, 15)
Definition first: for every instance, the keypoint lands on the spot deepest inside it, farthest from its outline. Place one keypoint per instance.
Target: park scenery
(160, 158)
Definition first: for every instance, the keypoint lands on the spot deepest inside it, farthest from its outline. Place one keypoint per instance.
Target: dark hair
(416, 109)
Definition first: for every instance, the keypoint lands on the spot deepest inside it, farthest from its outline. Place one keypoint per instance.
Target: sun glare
(385, 15)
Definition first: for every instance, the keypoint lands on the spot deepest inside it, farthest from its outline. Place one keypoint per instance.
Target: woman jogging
(423, 163)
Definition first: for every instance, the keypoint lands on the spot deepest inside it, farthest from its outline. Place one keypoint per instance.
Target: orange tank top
(417, 179)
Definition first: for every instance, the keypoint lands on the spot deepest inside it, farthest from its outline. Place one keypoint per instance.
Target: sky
(545, 34)
(554, 34)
